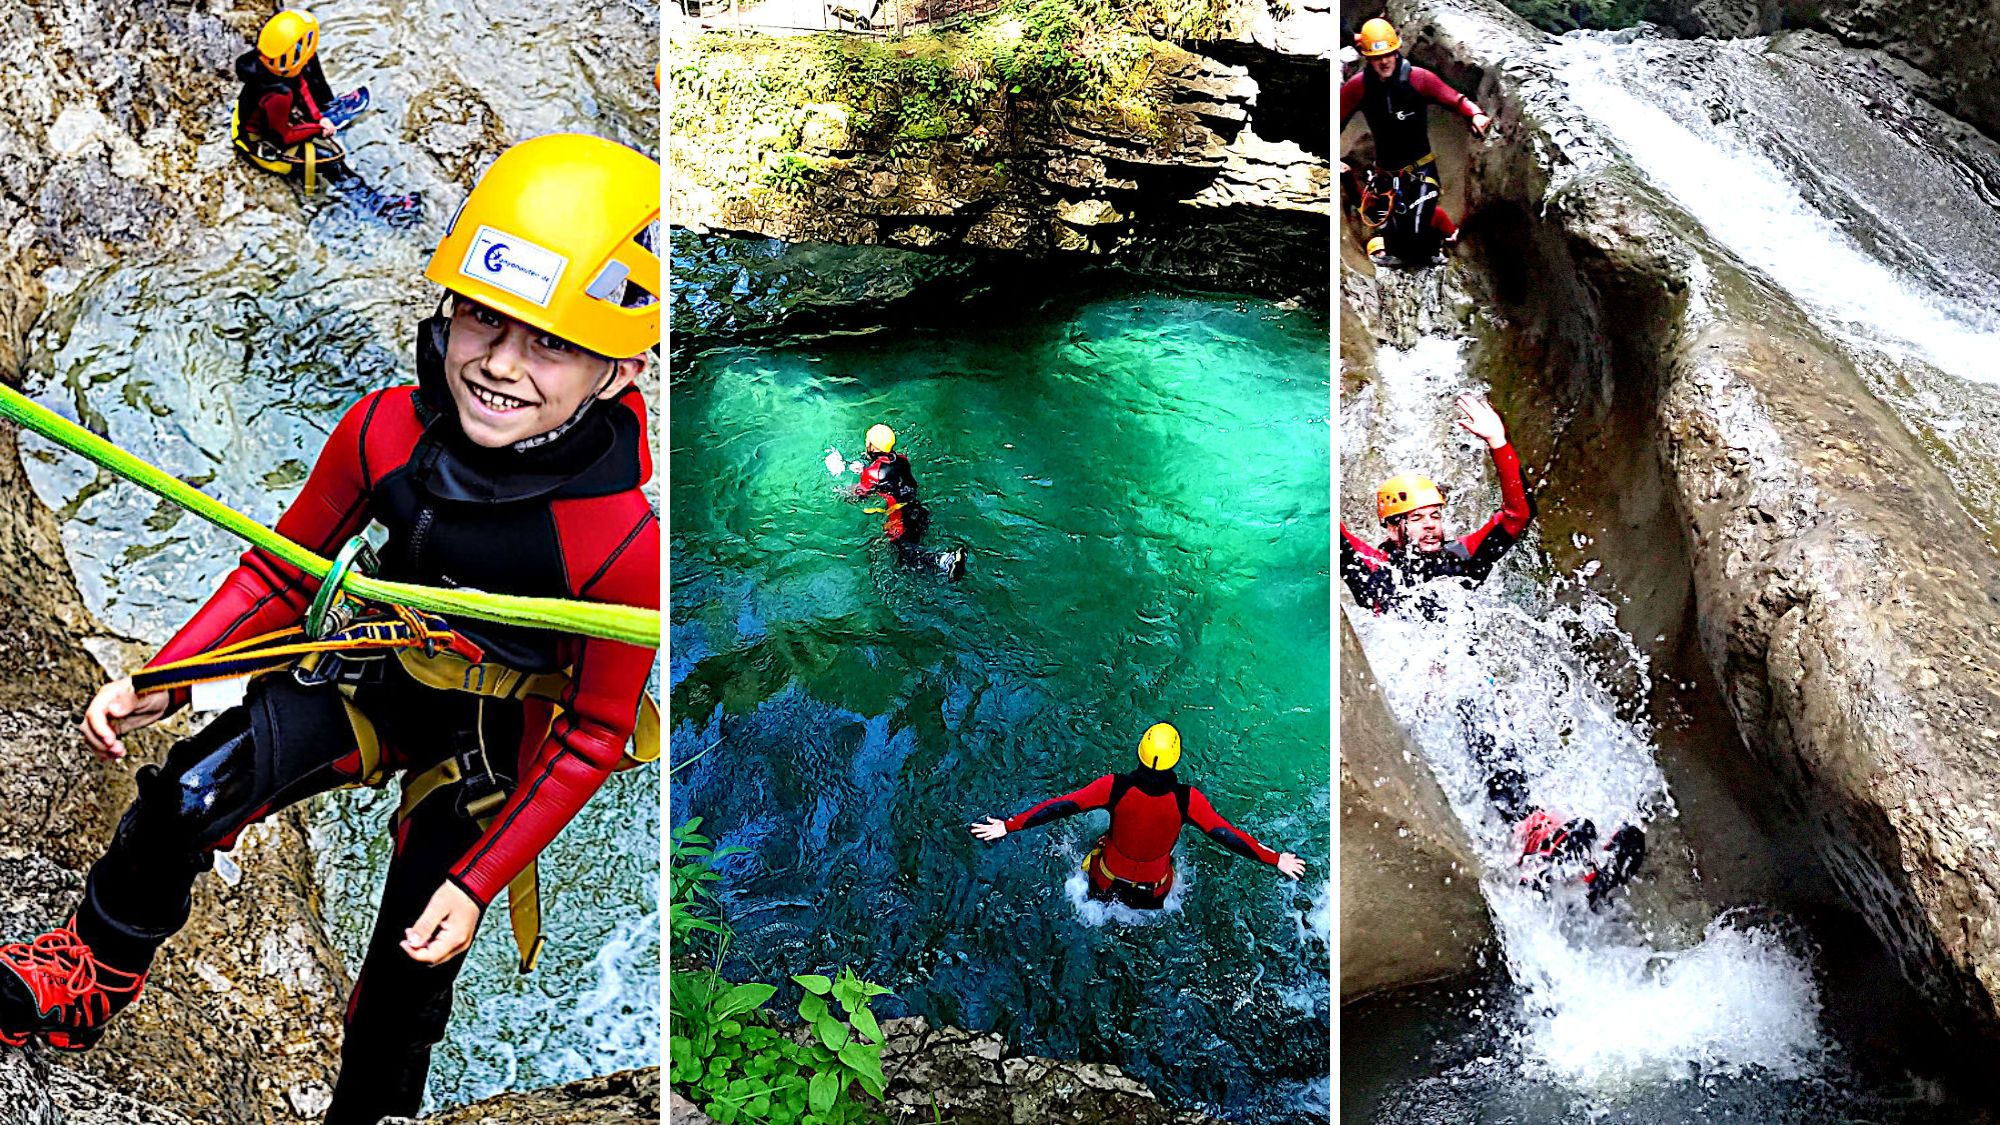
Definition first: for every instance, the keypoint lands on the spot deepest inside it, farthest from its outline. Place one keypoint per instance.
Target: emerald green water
(1142, 480)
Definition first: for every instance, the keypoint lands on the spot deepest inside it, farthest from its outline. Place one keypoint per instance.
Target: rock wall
(627, 1096)
(1845, 601)
(1177, 182)
(104, 112)
(1410, 907)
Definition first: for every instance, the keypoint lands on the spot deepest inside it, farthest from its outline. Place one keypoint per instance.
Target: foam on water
(1539, 664)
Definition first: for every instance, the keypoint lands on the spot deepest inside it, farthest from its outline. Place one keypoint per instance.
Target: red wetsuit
(286, 111)
(1396, 108)
(888, 475)
(1380, 577)
(1148, 808)
(588, 534)
(1398, 113)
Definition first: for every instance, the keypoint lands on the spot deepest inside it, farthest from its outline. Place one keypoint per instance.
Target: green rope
(631, 624)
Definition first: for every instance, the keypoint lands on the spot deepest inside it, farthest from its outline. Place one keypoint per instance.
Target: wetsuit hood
(250, 69)
(601, 452)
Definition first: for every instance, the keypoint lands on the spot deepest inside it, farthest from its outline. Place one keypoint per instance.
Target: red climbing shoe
(55, 986)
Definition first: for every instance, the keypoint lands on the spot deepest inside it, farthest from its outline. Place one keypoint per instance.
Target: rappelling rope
(630, 624)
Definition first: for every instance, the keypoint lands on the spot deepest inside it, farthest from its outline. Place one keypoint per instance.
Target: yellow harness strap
(449, 672)
(524, 901)
(408, 637)
(312, 167)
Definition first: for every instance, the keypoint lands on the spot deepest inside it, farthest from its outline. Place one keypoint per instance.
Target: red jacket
(1148, 808)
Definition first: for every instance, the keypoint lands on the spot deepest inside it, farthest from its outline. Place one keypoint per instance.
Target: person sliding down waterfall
(1384, 578)
(286, 106)
(1397, 199)
(887, 474)
(1134, 861)
(515, 465)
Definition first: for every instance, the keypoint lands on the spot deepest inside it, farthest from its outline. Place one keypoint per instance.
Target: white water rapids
(1624, 997)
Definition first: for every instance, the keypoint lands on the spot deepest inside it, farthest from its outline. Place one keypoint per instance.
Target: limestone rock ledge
(975, 1078)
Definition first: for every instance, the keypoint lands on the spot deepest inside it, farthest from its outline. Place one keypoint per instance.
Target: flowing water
(1820, 172)
(229, 362)
(1141, 478)
(1659, 1007)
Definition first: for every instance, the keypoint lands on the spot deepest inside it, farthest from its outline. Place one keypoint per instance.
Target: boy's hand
(328, 128)
(990, 829)
(117, 710)
(1475, 416)
(445, 930)
(1291, 866)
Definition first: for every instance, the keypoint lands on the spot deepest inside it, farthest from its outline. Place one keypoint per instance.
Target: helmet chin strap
(610, 374)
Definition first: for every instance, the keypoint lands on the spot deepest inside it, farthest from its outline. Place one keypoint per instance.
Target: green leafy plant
(694, 913)
(791, 173)
(727, 1053)
(729, 1059)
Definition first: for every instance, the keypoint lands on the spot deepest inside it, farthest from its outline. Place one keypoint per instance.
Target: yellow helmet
(1377, 38)
(1160, 747)
(550, 236)
(1405, 493)
(881, 437)
(288, 41)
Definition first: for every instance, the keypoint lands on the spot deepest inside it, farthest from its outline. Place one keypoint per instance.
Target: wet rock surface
(1410, 907)
(975, 1078)
(627, 1096)
(1842, 596)
(1956, 44)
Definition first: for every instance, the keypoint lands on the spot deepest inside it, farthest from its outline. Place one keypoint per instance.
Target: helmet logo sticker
(516, 265)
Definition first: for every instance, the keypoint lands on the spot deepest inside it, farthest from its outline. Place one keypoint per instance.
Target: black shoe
(1624, 854)
(1507, 788)
(952, 562)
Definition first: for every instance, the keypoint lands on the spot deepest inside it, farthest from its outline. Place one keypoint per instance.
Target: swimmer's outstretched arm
(1203, 816)
(1096, 795)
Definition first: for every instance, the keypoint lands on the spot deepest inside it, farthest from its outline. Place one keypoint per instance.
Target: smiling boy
(513, 466)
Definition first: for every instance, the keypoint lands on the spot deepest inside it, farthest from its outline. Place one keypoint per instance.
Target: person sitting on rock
(515, 465)
(287, 116)
(283, 85)
(905, 518)
(1395, 97)
(1133, 863)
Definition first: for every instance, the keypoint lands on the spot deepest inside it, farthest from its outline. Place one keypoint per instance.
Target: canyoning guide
(1387, 578)
(887, 475)
(1397, 200)
(1133, 863)
(286, 116)
(513, 466)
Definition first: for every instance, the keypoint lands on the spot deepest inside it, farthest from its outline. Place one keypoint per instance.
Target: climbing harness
(634, 625)
(311, 160)
(339, 642)
(339, 636)
(1095, 867)
(1395, 204)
